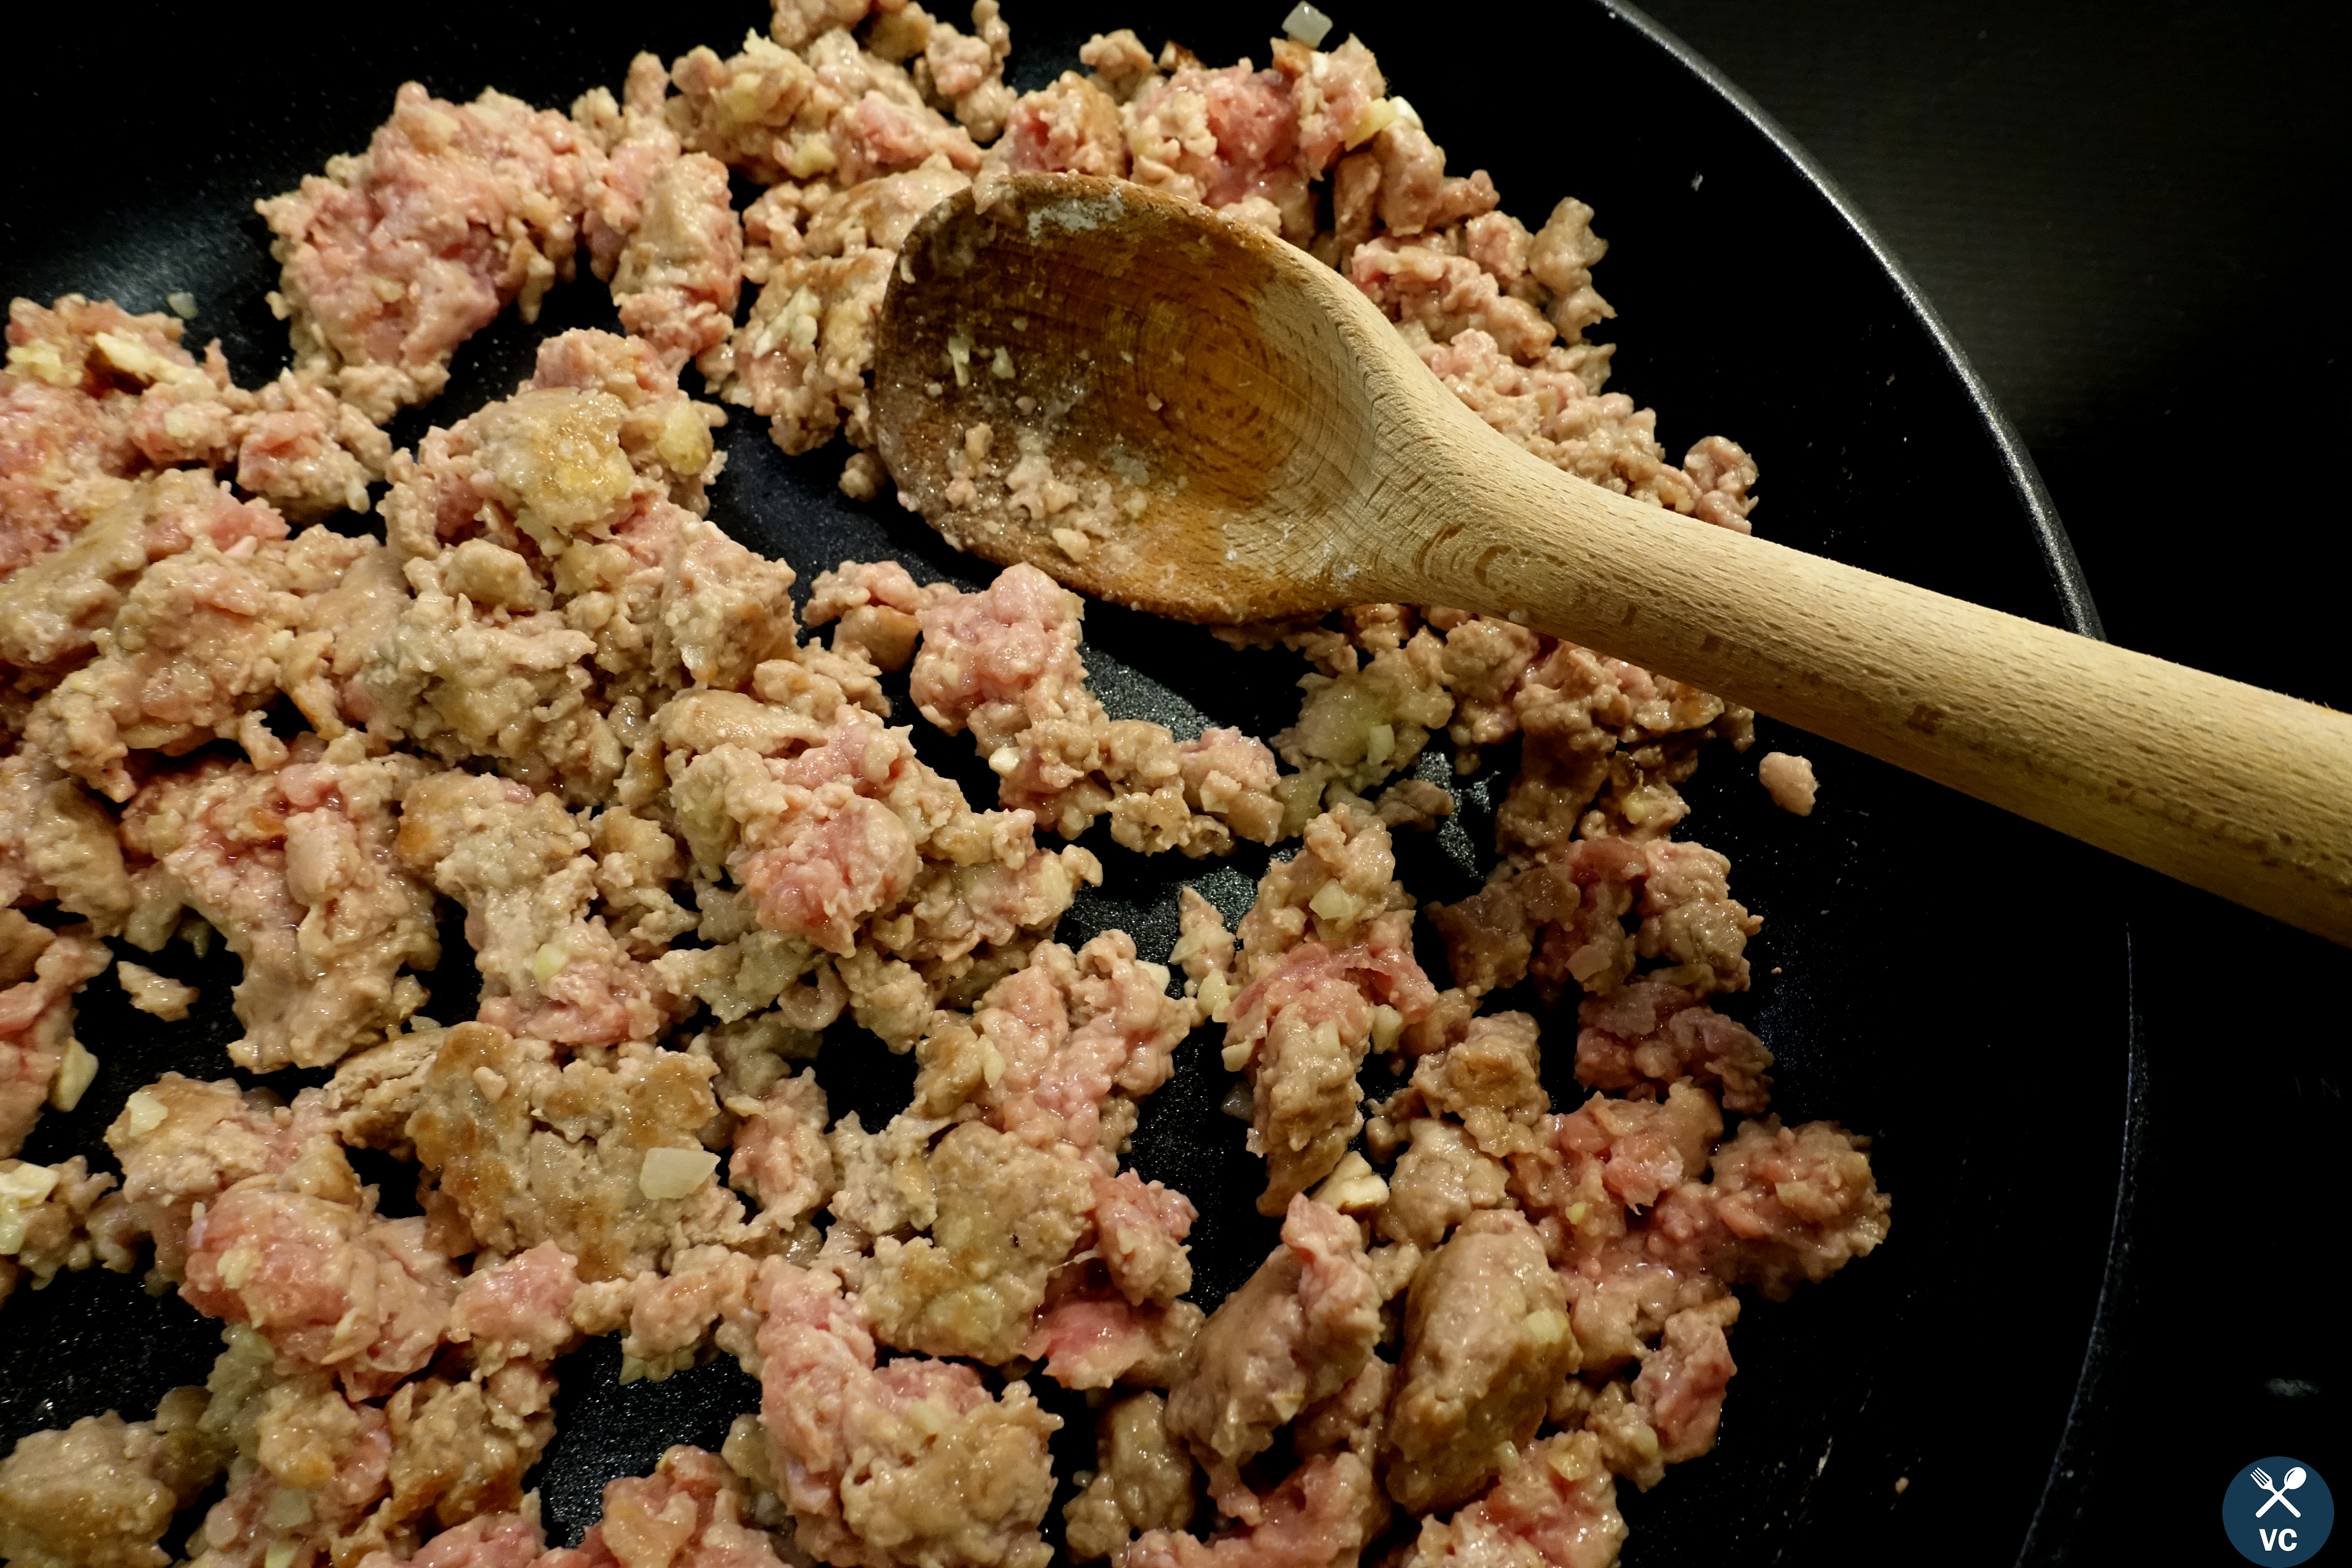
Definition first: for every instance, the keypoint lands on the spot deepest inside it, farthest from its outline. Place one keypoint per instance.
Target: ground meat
(1321, 1517)
(1487, 1341)
(1050, 1047)
(1560, 918)
(1093, 1336)
(965, 72)
(1008, 1215)
(326, 1283)
(802, 358)
(806, 836)
(660, 224)
(1489, 1078)
(1300, 1033)
(380, 287)
(461, 1448)
(1645, 1036)
(1438, 1183)
(1142, 1481)
(1004, 664)
(40, 1061)
(1326, 952)
(65, 412)
(763, 110)
(1781, 1204)
(101, 1493)
(519, 1309)
(1337, 892)
(1555, 1508)
(182, 1143)
(1364, 718)
(1070, 126)
(562, 574)
(1549, 407)
(57, 844)
(94, 394)
(1681, 1382)
(296, 868)
(605, 1162)
(913, 1463)
(687, 1513)
(781, 1158)
(294, 1431)
(877, 604)
(1055, 1060)
(1296, 1332)
(1443, 293)
(706, 1295)
(204, 639)
(1611, 1155)
(1252, 140)
(58, 1219)
(559, 696)
(518, 864)
(52, 610)
(374, 1476)
(1788, 781)
(487, 1540)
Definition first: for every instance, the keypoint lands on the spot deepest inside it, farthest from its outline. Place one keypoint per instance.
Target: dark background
(2128, 217)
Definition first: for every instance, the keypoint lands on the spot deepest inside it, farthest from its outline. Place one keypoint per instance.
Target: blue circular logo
(2277, 1510)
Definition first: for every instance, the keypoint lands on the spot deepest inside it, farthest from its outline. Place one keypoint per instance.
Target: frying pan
(1948, 979)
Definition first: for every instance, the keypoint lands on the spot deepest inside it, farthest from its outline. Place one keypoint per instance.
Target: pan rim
(2060, 1504)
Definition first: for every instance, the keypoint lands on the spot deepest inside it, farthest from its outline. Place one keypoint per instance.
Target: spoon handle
(2239, 790)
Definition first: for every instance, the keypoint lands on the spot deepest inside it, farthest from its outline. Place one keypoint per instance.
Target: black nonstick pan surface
(1951, 980)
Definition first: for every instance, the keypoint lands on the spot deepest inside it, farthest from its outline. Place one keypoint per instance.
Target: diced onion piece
(675, 1172)
(1353, 1186)
(143, 1113)
(1307, 25)
(74, 1076)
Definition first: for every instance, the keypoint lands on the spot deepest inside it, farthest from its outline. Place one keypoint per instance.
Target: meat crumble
(548, 698)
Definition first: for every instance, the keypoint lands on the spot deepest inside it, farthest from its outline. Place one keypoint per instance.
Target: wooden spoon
(1239, 435)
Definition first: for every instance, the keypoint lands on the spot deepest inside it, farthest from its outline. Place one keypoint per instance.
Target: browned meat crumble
(686, 838)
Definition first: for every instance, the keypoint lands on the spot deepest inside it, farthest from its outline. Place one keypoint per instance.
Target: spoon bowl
(1118, 362)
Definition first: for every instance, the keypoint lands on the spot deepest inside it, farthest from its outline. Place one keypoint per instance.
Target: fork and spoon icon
(2294, 1477)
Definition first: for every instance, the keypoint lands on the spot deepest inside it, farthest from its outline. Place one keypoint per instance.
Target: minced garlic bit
(675, 1172)
(1307, 25)
(182, 304)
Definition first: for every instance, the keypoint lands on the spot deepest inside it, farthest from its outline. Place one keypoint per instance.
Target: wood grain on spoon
(1272, 448)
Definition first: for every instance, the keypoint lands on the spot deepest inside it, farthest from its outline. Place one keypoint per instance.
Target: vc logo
(2277, 1510)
